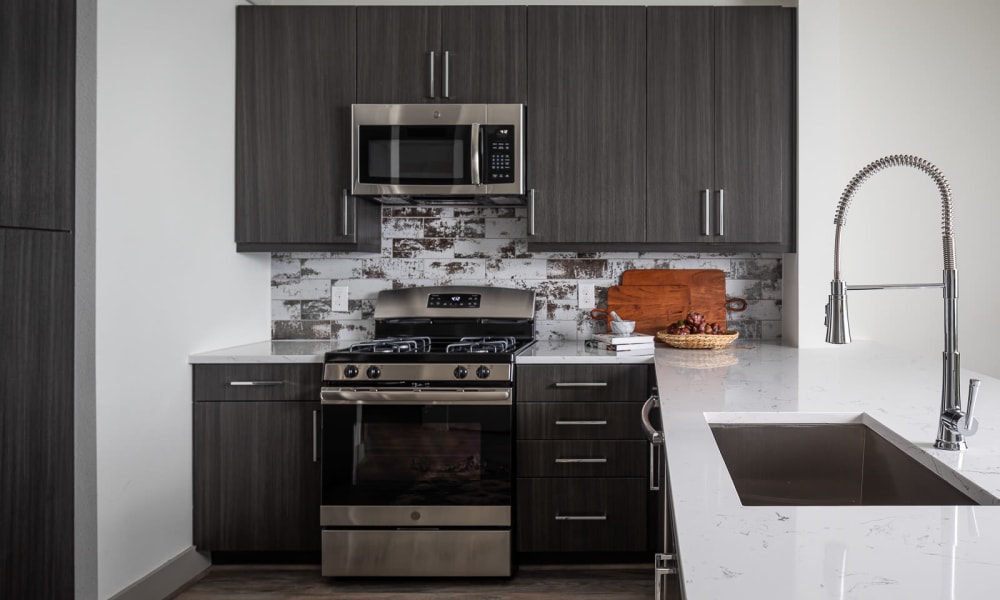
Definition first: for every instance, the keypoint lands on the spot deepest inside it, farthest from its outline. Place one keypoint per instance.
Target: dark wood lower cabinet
(256, 460)
(586, 514)
(36, 414)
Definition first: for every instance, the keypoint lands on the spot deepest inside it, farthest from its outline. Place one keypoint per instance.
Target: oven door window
(415, 154)
(416, 455)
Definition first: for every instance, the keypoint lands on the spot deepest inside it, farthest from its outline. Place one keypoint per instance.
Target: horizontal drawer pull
(581, 384)
(581, 517)
(601, 422)
(582, 460)
(256, 383)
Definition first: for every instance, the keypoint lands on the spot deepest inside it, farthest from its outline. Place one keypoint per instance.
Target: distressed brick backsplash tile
(469, 245)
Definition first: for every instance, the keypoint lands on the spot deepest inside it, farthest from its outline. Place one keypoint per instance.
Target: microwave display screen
(422, 154)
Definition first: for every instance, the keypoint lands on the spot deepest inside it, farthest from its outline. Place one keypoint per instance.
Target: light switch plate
(338, 299)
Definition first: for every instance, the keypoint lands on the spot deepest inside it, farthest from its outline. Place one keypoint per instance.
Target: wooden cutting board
(707, 289)
(652, 307)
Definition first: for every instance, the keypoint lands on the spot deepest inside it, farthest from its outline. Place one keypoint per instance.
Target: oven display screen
(453, 300)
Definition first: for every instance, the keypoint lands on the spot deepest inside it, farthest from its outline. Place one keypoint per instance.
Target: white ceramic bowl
(623, 327)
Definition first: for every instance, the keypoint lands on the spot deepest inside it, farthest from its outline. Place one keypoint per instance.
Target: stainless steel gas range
(417, 453)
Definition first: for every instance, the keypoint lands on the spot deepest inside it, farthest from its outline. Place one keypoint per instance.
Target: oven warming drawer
(416, 553)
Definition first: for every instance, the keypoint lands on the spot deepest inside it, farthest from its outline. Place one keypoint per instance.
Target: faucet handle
(970, 424)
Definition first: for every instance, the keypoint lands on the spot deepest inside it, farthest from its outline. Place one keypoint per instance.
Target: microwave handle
(477, 154)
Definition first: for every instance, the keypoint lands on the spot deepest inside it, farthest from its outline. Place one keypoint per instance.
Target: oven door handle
(464, 396)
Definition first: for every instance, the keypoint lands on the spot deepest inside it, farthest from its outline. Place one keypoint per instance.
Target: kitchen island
(729, 551)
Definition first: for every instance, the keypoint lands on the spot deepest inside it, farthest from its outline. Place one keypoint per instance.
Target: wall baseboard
(169, 577)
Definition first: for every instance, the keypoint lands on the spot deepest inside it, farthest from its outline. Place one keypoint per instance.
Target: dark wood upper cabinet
(720, 127)
(295, 83)
(418, 54)
(587, 124)
(37, 107)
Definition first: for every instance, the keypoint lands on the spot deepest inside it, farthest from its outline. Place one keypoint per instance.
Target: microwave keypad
(499, 153)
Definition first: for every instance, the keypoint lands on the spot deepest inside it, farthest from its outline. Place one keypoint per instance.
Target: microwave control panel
(499, 155)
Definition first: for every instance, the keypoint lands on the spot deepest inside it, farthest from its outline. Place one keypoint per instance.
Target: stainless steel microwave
(448, 151)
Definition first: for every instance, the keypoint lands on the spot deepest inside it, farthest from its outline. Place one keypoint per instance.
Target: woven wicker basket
(698, 340)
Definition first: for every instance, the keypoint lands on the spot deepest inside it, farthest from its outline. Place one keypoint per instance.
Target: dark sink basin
(826, 465)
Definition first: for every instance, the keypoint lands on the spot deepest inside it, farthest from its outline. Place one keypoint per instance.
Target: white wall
(169, 281)
(919, 77)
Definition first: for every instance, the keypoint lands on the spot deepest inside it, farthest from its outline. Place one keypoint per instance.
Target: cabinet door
(753, 65)
(680, 138)
(394, 54)
(486, 54)
(587, 110)
(256, 476)
(36, 414)
(37, 108)
(720, 119)
(295, 74)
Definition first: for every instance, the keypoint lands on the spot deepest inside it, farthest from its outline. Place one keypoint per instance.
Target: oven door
(424, 459)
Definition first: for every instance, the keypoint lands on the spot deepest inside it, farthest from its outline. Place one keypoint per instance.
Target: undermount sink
(826, 464)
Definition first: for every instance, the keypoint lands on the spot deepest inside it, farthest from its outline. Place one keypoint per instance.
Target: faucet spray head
(838, 326)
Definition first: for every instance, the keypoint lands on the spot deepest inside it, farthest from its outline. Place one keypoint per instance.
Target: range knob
(351, 371)
(483, 372)
(461, 372)
(373, 372)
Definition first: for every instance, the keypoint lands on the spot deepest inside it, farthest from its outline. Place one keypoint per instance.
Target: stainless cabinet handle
(531, 213)
(430, 73)
(706, 212)
(722, 212)
(581, 460)
(581, 384)
(346, 213)
(259, 383)
(560, 517)
(602, 422)
(654, 483)
(315, 436)
(444, 77)
(655, 437)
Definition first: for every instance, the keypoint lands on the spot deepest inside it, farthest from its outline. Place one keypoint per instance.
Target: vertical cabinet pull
(430, 74)
(722, 212)
(346, 213)
(706, 212)
(444, 77)
(531, 213)
(315, 436)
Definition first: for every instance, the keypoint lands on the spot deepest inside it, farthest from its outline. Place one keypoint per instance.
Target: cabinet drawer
(582, 515)
(579, 421)
(257, 382)
(582, 458)
(582, 383)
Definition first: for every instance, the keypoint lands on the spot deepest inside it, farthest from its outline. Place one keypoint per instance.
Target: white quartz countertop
(266, 352)
(305, 352)
(728, 551)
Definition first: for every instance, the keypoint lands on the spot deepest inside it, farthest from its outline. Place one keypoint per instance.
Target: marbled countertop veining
(729, 551)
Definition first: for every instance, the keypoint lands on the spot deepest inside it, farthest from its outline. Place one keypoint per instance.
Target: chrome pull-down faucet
(954, 425)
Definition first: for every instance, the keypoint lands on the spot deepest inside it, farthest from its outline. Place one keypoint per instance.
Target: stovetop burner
(393, 345)
(482, 345)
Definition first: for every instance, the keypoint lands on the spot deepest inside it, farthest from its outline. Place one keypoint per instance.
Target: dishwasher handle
(655, 437)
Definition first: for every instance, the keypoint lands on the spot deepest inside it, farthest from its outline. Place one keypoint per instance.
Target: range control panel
(453, 300)
(499, 154)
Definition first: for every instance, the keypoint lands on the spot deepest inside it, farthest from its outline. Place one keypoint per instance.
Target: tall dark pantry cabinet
(37, 105)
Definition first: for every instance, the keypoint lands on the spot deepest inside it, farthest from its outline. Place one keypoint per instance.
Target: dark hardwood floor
(270, 582)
